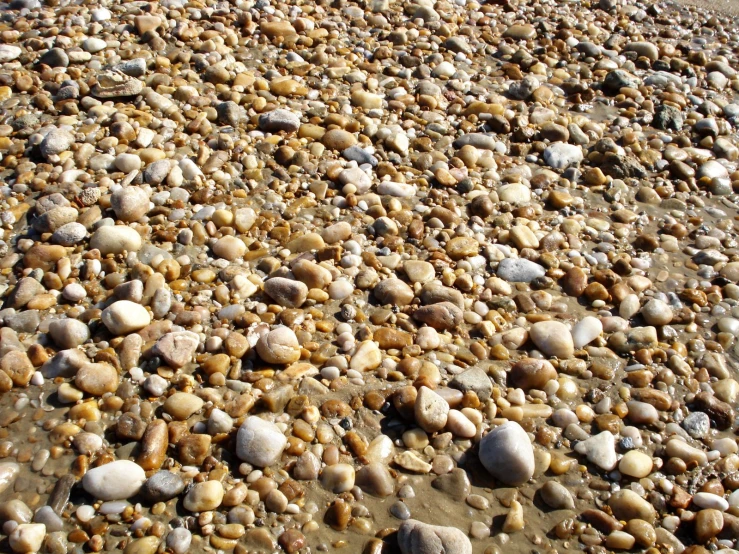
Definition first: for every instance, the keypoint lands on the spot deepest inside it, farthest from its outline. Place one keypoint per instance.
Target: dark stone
(162, 486)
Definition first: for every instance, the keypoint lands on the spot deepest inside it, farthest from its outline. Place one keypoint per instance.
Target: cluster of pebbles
(368, 276)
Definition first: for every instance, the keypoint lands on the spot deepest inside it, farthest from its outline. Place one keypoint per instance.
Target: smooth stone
(586, 331)
(179, 540)
(507, 454)
(8, 473)
(203, 497)
(116, 239)
(259, 442)
(475, 380)
(68, 333)
(515, 193)
(124, 317)
(642, 413)
(375, 479)
(459, 425)
(130, 203)
(443, 316)
(229, 248)
(419, 271)
(635, 464)
(531, 373)
(279, 346)
(393, 291)
(177, 348)
(627, 505)
(97, 379)
(556, 496)
(181, 405)
(553, 338)
(9, 52)
(338, 478)
(69, 234)
(399, 190)
(430, 410)
(338, 139)
(366, 357)
(117, 480)
(27, 537)
(279, 120)
(55, 142)
(428, 338)
(162, 486)
(415, 537)
(286, 292)
(656, 312)
(561, 155)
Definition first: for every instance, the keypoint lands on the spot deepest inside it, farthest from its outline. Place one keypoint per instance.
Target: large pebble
(124, 317)
(586, 331)
(553, 338)
(507, 454)
(130, 203)
(259, 442)
(286, 292)
(27, 537)
(116, 239)
(600, 450)
(415, 537)
(117, 480)
(279, 346)
(204, 497)
(430, 410)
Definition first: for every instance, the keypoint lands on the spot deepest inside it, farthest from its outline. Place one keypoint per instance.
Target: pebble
(398, 231)
(259, 442)
(129, 203)
(279, 346)
(586, 331)
(600, 450)
(507, 454)
(117, 480)
(635, 464)
(124, 317)
(203, 497)
(430, 410)
(27, 537)
(162, 486)
(417, 537)
(116, 239)
(556, 496)
(338, 478)
(553, 338)
(519, 270)
(182, 405)
(286, 292)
